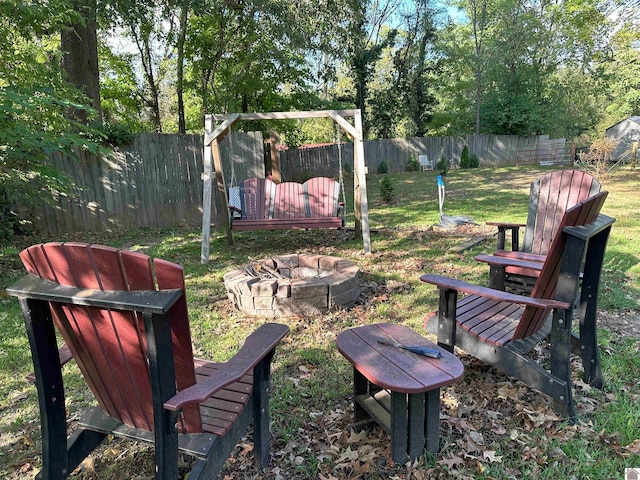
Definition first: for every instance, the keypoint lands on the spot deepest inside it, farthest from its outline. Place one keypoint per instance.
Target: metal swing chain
(232, 179)
(340, 176)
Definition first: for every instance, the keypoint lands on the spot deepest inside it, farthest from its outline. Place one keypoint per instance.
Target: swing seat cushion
(264, 205)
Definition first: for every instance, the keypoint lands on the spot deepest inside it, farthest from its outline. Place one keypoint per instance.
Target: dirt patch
(626, 323)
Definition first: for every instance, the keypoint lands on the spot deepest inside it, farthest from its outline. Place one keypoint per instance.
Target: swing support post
(213, 163)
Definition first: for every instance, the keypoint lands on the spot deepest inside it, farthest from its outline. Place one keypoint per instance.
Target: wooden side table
(397, 389)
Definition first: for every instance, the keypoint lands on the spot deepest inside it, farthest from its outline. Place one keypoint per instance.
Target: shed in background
(627, 132)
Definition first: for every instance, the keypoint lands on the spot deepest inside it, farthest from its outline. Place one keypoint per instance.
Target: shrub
(386, 190)
(597, 161)
(443, 165)
(464, 157)
(474, 161)
(413, 165)
(120, 133)
(383, 167)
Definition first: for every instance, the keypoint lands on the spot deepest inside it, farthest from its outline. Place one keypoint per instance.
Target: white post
(361, 206)
(206, 193)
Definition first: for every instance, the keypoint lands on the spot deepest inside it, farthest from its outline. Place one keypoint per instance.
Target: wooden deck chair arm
(528, 257)
(462, 286)
(499, 261)
(601, 223)
(506, 224)
(257, 346)
(33, 287)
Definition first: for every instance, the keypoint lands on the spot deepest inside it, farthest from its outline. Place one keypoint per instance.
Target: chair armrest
(506, 224)
(528, 257)
(146, 301)
(461, 286)
(499, 261)
(256, 347)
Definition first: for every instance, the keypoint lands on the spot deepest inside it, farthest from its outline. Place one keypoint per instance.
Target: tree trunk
(79, 44)
(182, 124)
(479, 25)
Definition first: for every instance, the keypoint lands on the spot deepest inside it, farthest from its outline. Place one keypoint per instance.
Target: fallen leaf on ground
(633, 448)
(491, 457)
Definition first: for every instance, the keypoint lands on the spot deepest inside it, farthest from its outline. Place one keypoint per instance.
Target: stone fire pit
(293, 285)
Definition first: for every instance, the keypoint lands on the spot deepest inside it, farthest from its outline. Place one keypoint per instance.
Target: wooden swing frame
(213, 163)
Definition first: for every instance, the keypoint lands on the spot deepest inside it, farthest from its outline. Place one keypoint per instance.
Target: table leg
(360, 386)
(399, 423)
(416, 425)
(501, 238)
(515, 239)
(432, 420)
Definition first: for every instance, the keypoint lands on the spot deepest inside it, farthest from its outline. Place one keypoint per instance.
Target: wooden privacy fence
(156, 181)
(492, 150)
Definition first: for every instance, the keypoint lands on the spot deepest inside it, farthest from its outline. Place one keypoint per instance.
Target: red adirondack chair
(501, 328)
(550, 196)
(132, 343)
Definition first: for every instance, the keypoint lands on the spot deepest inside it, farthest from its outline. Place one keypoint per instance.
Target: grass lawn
(492, 426)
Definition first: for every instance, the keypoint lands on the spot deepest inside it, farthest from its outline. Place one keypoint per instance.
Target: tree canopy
(564, 68)
(488, 66)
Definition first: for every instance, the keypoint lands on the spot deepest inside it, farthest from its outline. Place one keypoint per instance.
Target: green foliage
(474, 161)
(464, 157)
(35, 102)
(120, 133)
(122, 104)
(386, 189)
(443, 165)
(382, 167)
(413, 165)
(526, 70)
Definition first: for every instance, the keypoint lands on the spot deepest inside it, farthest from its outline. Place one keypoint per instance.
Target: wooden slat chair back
(289, 201)
(322, 196)
(265, 205)
(109, 346)
(551, 195)
(125, 321)
(583, 213)
(501, 328)
(256, 198)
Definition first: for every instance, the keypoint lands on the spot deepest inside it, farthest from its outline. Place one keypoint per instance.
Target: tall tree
(79, 44)
(478, 14)
(368, 38)
(35, 100)
(180, 41)
(517, 50)
(621, 71)
(148, 26)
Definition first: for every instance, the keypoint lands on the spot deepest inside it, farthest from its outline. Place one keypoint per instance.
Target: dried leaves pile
(484, 418)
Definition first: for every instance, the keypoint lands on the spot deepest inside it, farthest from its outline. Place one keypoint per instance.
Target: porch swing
(261, 204)
(314, 204)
